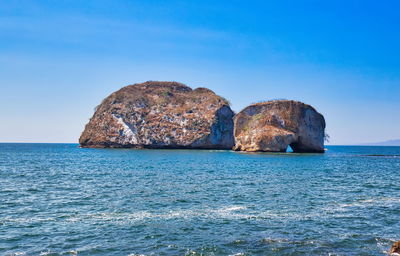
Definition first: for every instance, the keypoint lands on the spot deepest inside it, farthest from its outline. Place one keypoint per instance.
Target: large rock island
(161, 115)
(274, 125)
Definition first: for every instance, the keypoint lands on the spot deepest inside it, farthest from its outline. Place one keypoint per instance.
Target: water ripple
(58, 199)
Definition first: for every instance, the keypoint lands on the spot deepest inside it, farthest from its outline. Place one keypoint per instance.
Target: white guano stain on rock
(129, 135)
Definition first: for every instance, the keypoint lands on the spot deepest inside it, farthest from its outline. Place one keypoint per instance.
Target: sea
(59, 199)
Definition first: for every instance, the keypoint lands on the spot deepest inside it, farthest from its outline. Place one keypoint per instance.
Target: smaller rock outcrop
(395, 249)
(274, 125)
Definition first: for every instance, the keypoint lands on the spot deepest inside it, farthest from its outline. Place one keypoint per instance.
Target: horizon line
(361, 145)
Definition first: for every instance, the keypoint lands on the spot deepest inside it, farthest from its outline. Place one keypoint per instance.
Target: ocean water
(58, 199)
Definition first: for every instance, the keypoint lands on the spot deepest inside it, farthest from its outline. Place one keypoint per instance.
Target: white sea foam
(10, 219)
(233, 208)
(378, 201)
(227, 212)
(44, 253)
(230, 213)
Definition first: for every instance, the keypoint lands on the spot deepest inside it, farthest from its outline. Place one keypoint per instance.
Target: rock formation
(274, 125)
(395, 249)
(161, 115)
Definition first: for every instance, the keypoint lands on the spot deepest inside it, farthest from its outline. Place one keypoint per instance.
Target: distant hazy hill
(384, 143)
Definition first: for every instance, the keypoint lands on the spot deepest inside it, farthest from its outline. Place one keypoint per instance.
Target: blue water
(58, 199)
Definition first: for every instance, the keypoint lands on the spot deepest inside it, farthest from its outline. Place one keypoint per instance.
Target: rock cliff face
(274, 125)
(161, 115)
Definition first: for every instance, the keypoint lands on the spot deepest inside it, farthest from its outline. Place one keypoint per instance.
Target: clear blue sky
(59, 59)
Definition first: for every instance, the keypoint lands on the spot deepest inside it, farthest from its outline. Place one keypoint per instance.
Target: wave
(362, 203)
(231, 212)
